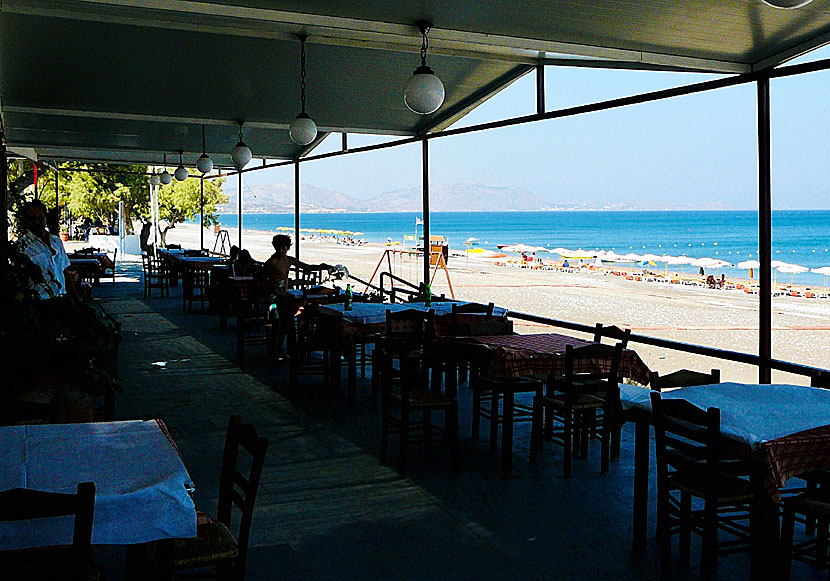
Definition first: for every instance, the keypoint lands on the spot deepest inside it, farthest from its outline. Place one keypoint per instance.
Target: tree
(95, 190)
(180, 201)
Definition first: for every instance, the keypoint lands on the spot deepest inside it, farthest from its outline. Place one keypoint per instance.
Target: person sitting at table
(245, 265)
(275, 271)
(45, 250)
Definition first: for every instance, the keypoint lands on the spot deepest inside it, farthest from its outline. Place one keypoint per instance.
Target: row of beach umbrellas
(651, 259)
(321, 231)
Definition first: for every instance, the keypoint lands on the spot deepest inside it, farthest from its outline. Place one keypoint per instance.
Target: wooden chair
(309, 333)
(216, 547)
(156, 276)
(111, 269)
(573, 400)
(612, 332)
(59, 562)
(195, 285)
(692, 463)
(405, 388)
(683, 378)
(814, 505)
(254, 325)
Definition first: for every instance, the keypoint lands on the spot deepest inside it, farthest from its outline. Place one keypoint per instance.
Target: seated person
(245, 265)
(45, 250)
(710, 281)
(275, 271)
(566, 264)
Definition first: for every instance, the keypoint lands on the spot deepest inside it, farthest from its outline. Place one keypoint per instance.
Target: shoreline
(725, 319)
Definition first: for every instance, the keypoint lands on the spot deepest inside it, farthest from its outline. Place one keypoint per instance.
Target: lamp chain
(240, 132)
(203, 139)
(424, 45)
(302, 74)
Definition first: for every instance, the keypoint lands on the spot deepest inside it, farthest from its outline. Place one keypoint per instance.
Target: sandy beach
(726, 319)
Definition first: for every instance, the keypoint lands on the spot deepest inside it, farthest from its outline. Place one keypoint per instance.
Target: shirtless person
(276, 271)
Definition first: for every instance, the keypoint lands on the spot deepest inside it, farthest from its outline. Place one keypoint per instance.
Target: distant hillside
(279, 198)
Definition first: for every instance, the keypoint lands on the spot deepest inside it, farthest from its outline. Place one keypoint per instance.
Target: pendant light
(165, 176)
(181, 171)
(424, 91)
(241, 154)
(154, 180)
(204, 164)
(787, 3)
(303, 130)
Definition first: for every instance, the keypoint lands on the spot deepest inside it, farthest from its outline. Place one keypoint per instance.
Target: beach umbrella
(651, 258)
(792, 269)
(608, 256)
(825, 270)
(674, 260)
(561, 251)
(631, 257)
(285, 229)
(748, 265)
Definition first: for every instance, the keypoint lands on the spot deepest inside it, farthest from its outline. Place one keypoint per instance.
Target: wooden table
(512, 356)
(87, 268)
(369, 319)
(783, 428)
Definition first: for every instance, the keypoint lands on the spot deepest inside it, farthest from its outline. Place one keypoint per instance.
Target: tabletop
(375, 313)
(544, 354)
(786, 425)
(142, 485)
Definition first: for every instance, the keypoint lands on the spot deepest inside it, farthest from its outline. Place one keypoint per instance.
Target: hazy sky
(699, 150)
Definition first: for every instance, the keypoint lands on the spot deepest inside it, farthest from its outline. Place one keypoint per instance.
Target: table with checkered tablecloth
(513, 356)
(510, 357)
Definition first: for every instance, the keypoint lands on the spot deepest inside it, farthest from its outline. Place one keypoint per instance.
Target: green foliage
(180, 201)
(75, 341)
(97, 189)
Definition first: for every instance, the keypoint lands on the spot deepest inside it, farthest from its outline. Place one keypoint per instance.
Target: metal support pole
(344, 141)
(4, 190)
(202, 213)
(764, 233)
(239, 206)
(540, 89)
(425, 186)
(297, 209)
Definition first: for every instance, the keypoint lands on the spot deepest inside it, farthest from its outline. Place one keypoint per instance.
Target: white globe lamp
(424, 91)
(303, 130)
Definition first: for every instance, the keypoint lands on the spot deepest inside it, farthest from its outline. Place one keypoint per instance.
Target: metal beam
(239, 207)
(425, 192)
(540, 89)
(4, 190)
(764, 233)
(202, 212)
(297, 209)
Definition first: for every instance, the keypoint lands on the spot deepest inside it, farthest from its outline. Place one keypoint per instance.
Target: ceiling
(131, 80)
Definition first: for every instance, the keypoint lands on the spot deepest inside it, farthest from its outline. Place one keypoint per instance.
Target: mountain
(463, 197)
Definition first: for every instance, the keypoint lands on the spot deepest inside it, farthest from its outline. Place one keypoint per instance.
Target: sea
(798, 236)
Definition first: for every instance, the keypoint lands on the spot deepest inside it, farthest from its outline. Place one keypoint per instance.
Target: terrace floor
(327, 508)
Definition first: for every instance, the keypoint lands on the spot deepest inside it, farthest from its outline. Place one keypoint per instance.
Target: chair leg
(404, 438)
(567, 436)
(536, 429)
(787, 530)
(685, 542)
(451, 430)
(605, 446)
(427, 419)
(664, 531)
(494, 420)
(476, 411)
(708, 554)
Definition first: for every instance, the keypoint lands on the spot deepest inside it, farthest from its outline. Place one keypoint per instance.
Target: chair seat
(731, 490)
(583, 402)
(213, 543)
(425, 399)
(814, 503)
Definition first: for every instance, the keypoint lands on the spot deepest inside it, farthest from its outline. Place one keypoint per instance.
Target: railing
(818, 377)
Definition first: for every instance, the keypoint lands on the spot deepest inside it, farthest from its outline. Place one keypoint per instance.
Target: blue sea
(798, 236)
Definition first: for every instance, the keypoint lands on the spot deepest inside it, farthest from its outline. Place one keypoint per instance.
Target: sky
(697, 151)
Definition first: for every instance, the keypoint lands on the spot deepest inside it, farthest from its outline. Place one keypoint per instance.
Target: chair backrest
(237, 488)
(20, 504)
(414, 328)
(687, 439)
(593, 368)
(612, 332)
(683, 378)
(473, 308)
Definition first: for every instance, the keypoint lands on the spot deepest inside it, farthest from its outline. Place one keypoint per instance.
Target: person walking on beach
(275, 271)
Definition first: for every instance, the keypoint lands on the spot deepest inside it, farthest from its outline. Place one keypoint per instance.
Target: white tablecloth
(750, 413)
(141, 482)
(373, 313)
